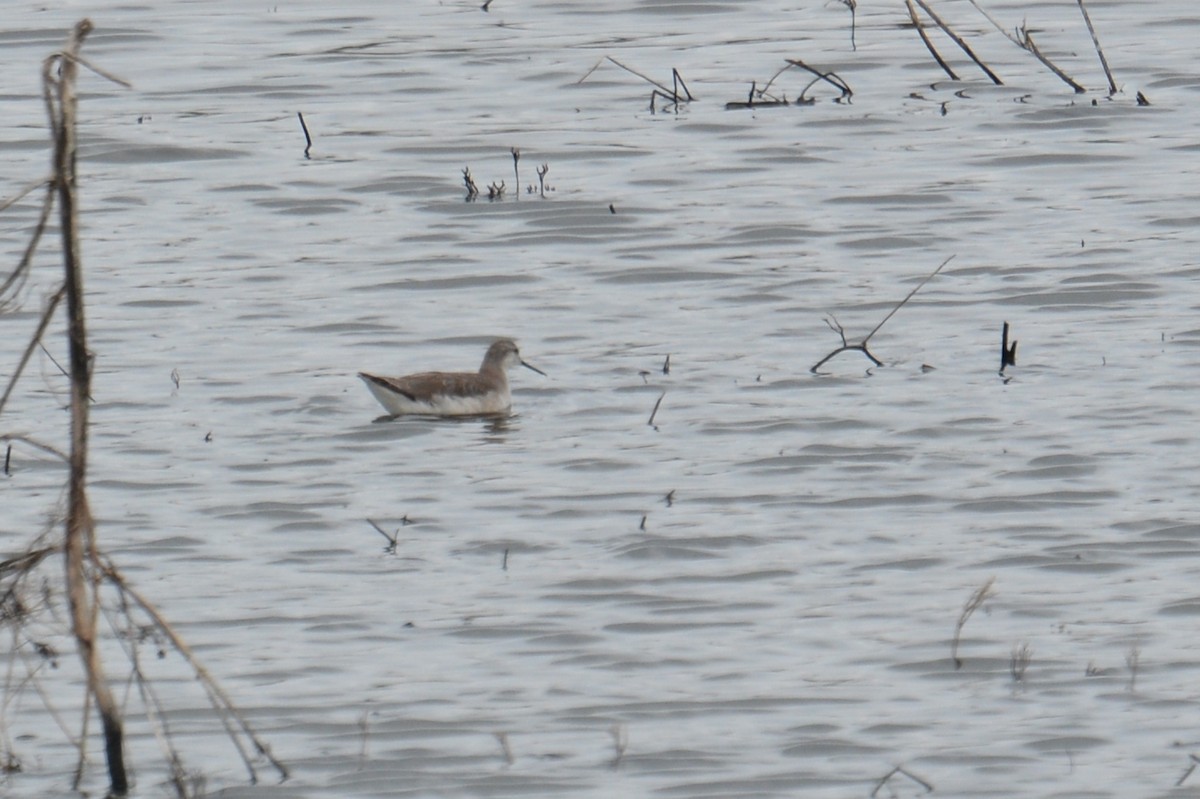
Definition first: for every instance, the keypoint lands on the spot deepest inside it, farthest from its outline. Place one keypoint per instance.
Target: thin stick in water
(654, 412)
(1112, 84)
(307, 137)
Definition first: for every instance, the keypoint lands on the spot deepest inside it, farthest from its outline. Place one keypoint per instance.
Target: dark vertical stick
(7, 459)
(307, 138)
(1112, 85)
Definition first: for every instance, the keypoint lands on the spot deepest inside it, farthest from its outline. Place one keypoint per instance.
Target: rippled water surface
(755, 595)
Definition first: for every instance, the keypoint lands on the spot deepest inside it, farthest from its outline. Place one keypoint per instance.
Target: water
(756, 595)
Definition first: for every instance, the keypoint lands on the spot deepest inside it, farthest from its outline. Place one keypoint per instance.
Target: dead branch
(861, 346)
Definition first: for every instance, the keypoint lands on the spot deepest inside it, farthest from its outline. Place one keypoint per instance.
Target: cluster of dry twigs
(94, 587)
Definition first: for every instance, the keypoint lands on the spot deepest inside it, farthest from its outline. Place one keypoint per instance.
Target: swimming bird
(453, 393)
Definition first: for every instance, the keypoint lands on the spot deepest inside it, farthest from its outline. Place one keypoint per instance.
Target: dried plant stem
(954, 37)
(80, 539)
(1025, 42)
(912, 13)
(973, 604)
(1112, 84)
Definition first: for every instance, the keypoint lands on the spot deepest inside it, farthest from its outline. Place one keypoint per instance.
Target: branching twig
(861, 346)
(671, 94)
(1025, 42)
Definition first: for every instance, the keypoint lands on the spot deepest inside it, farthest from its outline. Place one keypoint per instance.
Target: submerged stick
(1112, 84)
(1025, 42)
(862, 345)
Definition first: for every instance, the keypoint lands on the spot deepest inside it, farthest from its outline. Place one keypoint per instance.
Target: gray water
(753, 597)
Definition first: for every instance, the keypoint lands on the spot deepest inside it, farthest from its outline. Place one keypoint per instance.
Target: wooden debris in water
(861, 346)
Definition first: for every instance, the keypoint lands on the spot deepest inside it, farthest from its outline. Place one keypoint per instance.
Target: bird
(453, 393)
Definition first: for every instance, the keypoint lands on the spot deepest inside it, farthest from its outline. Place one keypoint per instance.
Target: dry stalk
(977, 599)
(916, 21)
(954, 37)
(1025, 42)
(1112, 84)
(86, 567)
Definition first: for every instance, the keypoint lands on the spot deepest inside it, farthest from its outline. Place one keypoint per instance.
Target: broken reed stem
(954, 37)
(1025, 42)
(1087, 18)
(912, 13)
(973, 604)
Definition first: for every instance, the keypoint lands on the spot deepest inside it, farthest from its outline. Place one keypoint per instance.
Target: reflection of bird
(452, 393)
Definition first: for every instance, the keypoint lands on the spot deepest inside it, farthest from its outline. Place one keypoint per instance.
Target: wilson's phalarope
(453, 393)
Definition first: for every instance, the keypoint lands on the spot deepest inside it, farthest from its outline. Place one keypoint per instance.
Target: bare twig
(672, 93)
(861, 346)
(954, 37)
(1025, 42)
(912, 13)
